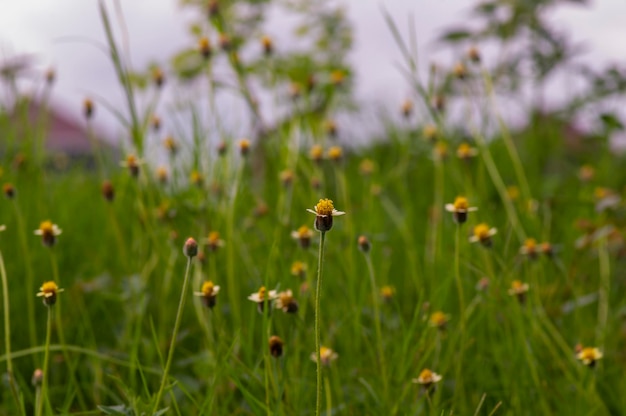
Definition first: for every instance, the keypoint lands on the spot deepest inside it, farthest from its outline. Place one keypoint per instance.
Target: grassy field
(507, 324)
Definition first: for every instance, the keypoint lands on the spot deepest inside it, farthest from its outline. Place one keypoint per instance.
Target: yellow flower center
(214, 237)
(131, 160)
(589, 354)
(517, 286)
(335, 153)
(530, 244)
(207, 288)
(430, 132)
(460, 203)
(316, 152)
(325, 352)
(49, 288)
(481, 231)
(46, 228)
(464, 150)
(286, 298)
(438, 318)
(387, 292)
(262, 293)
(244, 144)
(297, 268)
(324, 207)
(304, 232)
(426, 375)
(512, 192)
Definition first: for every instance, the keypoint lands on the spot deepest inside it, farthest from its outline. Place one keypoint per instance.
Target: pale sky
(61, 33)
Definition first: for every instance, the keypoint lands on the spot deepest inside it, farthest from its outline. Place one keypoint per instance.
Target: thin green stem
(603, 292)
(379, 338)
(458, 392)
(7, 329)
(46, 359)
(170, 354)
(320, 262)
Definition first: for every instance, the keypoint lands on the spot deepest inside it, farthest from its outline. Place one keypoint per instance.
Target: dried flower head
(482, 234)
(427, 378)
(155, 122)
(225, 42)
(547, 249)
(324, 212)
(589, 355)
(208, 293)
(50, 76)
(276, 346)
(8, 190)
(327, 356)
(586, 173)
(49, 291)
(286, 302)
(459, 209)
(330, 127)
(108, 191)
(303, 235)
(48, 232)
(37, 378)
(364, 244)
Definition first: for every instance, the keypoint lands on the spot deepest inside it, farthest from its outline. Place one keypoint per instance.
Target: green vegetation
(420, 311)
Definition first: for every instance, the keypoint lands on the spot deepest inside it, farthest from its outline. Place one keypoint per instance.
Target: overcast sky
(59, 33)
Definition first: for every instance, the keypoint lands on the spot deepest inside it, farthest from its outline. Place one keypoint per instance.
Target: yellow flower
(132, 163)
(244, 146)
(170, 145)
(208, 293)
(483, 234)
(387, 292)
(196, 178)
(286, 177)
(316, 153)
(204, 46)
(262, 296)
(298, 269)
(88, 108)
(268, 45)
(286, 302)
(366, 167)
(303, 235)
(459, 209)
(335, 153)
(324, 212)
(439, 320)
(519, 289)
(430, 133)
(326, 356)
(213, 241)
(440, 152)
(473, 54)
(589, 356)
(427, 378)
(512, 192)
(337, 77)
(48, 232)
(459, 71)
(162, 174)
(407, 108)
(466, 152)
(49, 291)
(529, 248)
(586, 173)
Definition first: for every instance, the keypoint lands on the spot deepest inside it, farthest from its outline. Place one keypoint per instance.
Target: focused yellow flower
(326, 356)
(459, 209)
(483, 234)
(208, 293)
(49, 291)
(48, 232)
(589, 356)
(324, 212)
(427, 378)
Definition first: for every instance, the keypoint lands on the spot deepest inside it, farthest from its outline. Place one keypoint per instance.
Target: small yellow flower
(473, 54)
(268, 45)
(262, 296)
(213, 241)
(439, 320)
(244, 146)
(366, 167)
(512, 192)
(519, 289)
(49, 291)
(162, 175)
(88, 108)
(459, 71)
(155, 121)
(303, 235)
(196, 178)
(48, 232)
(326, 356)
(407, 108)
(483, 234)
(208, 293)
(337, 77)
(324, 212)
(430, 133)
(158, 77)
(529, 248)
(589, 356)
(466, 152)
(459, 209)
(316, 153)
(286, 177)
(286, 302)
(440, 152)
(298, 269)
(387, 293)
(132, 163)
(586, 173)
(204, 46)
(335, 153)
(427, 378)
(171, 145)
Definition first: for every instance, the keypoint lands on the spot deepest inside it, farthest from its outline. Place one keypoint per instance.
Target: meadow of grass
(404, 289)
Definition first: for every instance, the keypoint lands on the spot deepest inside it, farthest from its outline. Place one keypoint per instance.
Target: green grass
(122, 266)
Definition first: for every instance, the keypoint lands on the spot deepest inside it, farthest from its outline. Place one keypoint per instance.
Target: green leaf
(455, 35)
